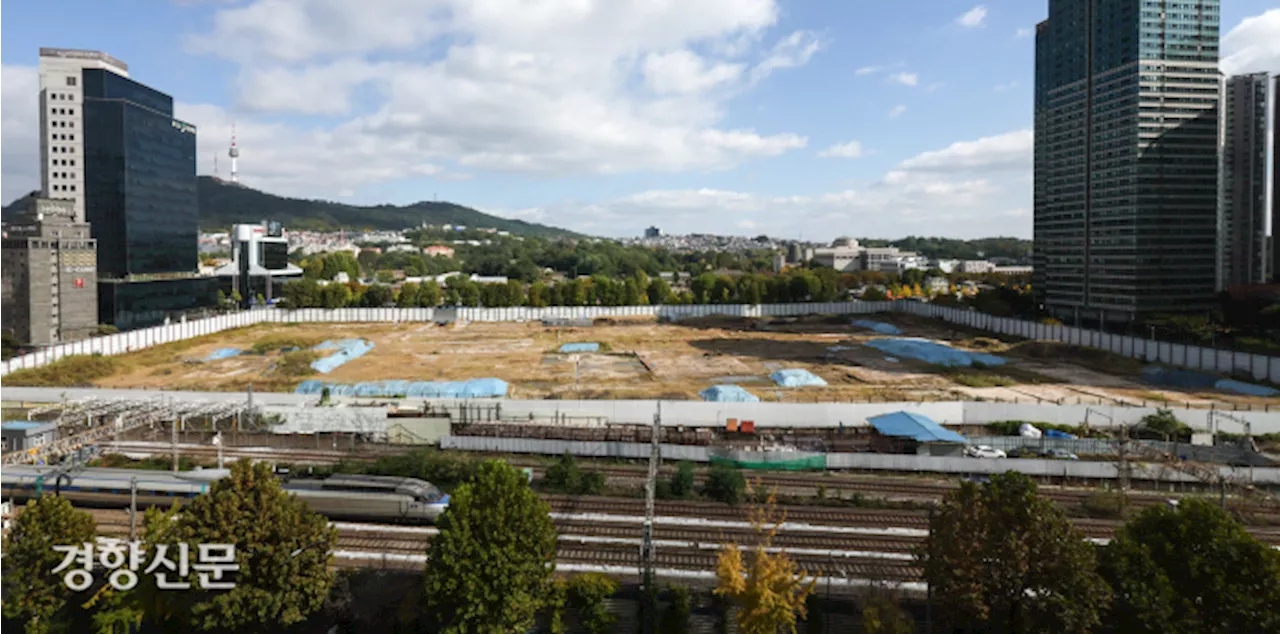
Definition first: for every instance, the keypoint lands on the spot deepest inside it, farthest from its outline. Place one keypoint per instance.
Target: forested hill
(949, 248)
(223, 204)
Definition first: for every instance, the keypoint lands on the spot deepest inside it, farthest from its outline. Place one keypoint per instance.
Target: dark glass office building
(1126, 158)
(141, 202)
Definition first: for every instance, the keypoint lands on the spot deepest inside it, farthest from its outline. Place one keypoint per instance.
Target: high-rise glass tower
(1126, 158)
(1244, 180)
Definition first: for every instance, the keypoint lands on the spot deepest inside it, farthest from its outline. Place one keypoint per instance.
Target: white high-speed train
(349, 497)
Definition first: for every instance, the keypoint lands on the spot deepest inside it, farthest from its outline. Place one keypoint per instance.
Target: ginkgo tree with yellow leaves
(768, 587)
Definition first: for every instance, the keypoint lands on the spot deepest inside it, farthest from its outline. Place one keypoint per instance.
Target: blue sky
(795, 118)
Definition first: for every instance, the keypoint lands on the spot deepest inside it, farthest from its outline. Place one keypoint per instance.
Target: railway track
(831, 483)
(678, 548)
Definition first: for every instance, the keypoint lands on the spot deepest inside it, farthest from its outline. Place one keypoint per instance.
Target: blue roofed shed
(908, 432)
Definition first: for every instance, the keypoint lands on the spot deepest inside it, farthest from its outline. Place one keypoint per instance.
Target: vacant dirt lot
(645, 359)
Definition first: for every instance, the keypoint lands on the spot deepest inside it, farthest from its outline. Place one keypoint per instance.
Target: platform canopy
(917, 427)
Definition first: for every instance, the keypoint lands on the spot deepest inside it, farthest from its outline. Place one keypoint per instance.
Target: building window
(71, 81)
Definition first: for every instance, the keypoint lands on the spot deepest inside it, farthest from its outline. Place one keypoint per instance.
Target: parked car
(1024, 452)
(1060, 454)
(983, 451)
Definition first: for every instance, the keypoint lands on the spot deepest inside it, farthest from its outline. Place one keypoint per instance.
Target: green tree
(378, 295)
(491, 565)
(565, 476)
(36, 595)
(659, 292)
(408, 295)
(682, 481)
(1191, 569)
(702, 287)
(675, 619)
(586, 594)
(725, 483)
(282, 547)
(339, 262)
(429, 294)
(873, 294)
(881, 614)
(1165, 425)
(303, 293)
(538, 295)
(1001, 558)
(334, 295)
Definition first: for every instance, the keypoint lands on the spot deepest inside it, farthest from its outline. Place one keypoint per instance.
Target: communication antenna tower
(234, 153)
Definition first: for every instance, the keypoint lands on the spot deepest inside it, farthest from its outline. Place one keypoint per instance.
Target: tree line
(801, 285)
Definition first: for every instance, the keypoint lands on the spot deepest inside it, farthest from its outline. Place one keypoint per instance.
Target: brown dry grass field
(646, 359)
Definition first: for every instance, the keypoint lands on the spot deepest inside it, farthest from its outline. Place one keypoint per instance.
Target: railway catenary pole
(647, 554)
(133, 507)
(173, 442)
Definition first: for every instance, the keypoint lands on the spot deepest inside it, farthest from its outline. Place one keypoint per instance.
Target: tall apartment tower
(62, 120)
(1126, 158)
(49, 292)
(1275, 183)
(1244, 180)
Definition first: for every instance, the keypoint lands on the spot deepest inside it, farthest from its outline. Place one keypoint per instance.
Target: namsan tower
(234, 153)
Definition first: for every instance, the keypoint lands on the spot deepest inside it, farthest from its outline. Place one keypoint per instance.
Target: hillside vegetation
(223, 204)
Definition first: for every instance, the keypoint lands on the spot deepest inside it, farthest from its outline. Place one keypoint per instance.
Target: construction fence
(1257, 366)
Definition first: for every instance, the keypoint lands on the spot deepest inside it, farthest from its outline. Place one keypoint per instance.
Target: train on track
(347, 497)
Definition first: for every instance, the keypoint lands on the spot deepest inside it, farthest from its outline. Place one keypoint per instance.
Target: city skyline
(817, 88)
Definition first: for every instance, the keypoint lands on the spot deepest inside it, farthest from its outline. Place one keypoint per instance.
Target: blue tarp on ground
(933, 352)
(1240, 387)
(347, 350)
(580, 347)
(884, 329)
(796, 378)
(222, 353)
(1169, 377)
(728, 394)
(914, 426)
(475, 388)
(1053, 433)
(1190, 379)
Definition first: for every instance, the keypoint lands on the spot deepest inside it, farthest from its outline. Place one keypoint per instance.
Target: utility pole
(133, 508)
(173, 443)
(647, 555)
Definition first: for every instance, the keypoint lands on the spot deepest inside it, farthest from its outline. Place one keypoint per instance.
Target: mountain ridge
(223, 204)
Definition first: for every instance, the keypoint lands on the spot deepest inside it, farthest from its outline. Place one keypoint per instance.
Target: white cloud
(897, 111)
(973, 17)
(852, 149)
(906, 79)
(448, 88)
(1253, 45)
(867, 70)
(509, 85)
(958, 193)
(684, 72)
(1009, 151)
(1024, 32)
(790, 52)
